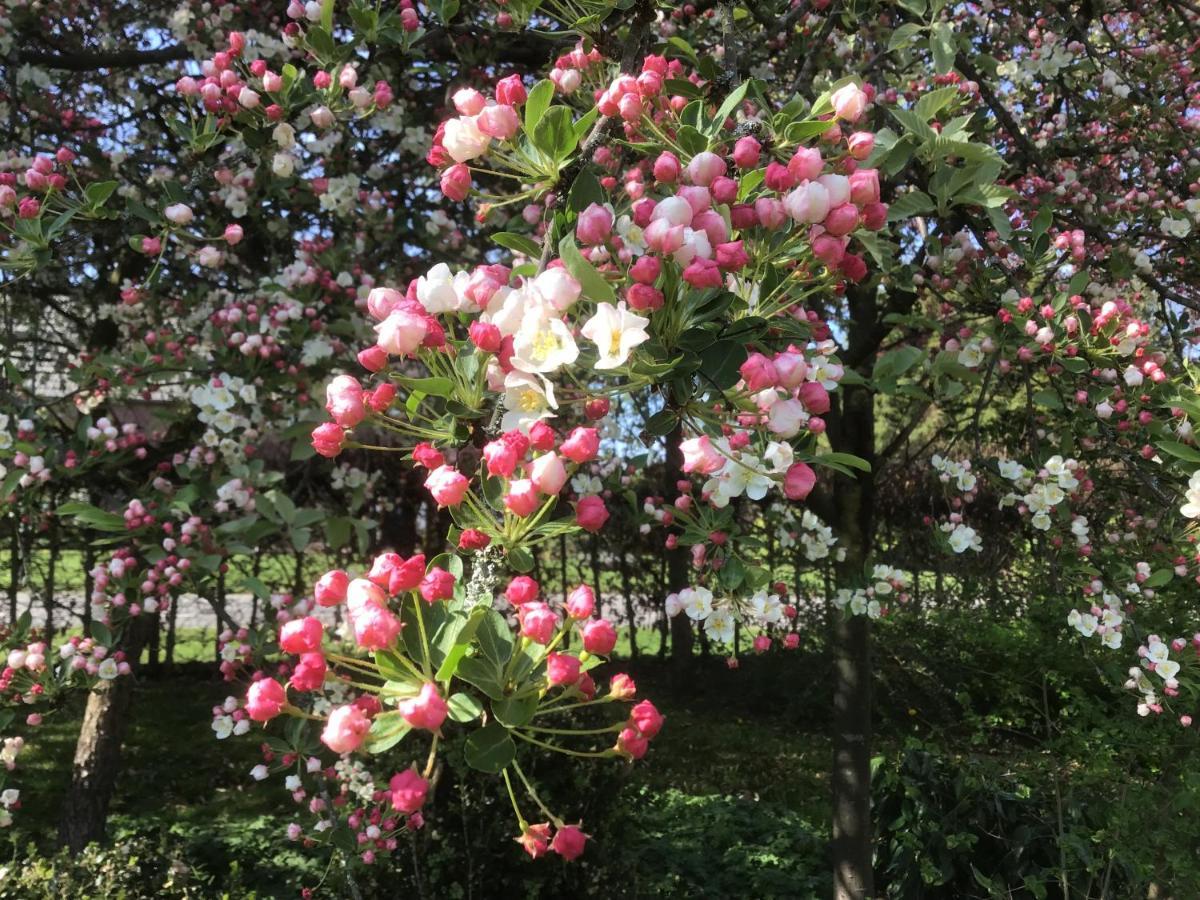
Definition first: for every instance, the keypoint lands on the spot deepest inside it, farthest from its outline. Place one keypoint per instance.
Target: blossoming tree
(811, 248)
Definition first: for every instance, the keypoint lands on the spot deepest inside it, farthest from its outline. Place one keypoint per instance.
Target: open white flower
(436, 290)
(719, 626)
(964, 538)
(615, 331)
(543, 343)
(1191, 509)
(696, 602)
(527, 398)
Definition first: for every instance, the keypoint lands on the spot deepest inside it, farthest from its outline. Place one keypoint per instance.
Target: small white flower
(615, 331)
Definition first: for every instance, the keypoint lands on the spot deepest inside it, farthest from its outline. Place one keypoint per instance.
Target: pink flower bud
(522, 498)
(666, 168)
(511, 91)
(746, 153)
(594, 225)
(758, 372)
(599, 637)
(799, 481)
(499, 121)
(704, 167)
(438, 584)
(346, 729)
(581, 445)
(521, 590)
(407, 791)
(548, 473)
(447, 485)
(569, 842)
(344, 401)
(806, 164)
(301, 635)
(849, 102)
(581, 602)
(469, 102)
(455, 182)
(562, 669)
(860, 144)
(331, 588)
(265, 699)
(309, 673)
(538, 622)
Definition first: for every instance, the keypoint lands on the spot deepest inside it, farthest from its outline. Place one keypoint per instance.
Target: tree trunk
(51, 587)
(853, 878)
(677, 572)
(852, 687)
(630, 612)
(98, 752)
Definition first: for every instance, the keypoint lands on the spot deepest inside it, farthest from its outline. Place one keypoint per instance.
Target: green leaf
(896, 362)
(909, 204)
(932, 103)
(1042, 221)
(585, 191)
(1048, 399)
(98, 192)
(537, 103)
(518, 243)
(798, 132)
(736, 96)
(256, 587)
(387, 730)
(392, 669)
(941, 43)
(1159, 578)
(337, 532)
(464, 707)
(520, 559)
(102, 633)
(662, 422)
(1179, 451)
(515, 712)
(321, 42)
(848, 460)
(554, 134)
(455, 640)
(490, 749)
(904, 35)
(691, 140)
(913, 123)
(92, 516)
(721, 362)
(494, 638)
(594, 285)
(432, 387)
(483, 674)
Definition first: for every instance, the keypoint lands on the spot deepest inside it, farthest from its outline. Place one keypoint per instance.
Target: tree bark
(98, 752)
(853, 431)
(852, 840)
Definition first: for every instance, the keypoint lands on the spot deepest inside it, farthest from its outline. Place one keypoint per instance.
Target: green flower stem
(425, 666)
(583, 754)
(558, 823)
(569, 731)
(512, 797)
(432, 758)
(546, 710)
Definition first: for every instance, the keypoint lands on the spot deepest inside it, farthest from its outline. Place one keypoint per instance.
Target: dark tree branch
(88, 61)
